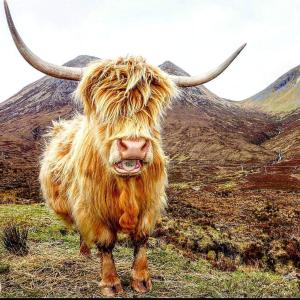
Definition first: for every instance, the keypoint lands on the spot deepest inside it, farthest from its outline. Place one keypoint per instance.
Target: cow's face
(126, 99)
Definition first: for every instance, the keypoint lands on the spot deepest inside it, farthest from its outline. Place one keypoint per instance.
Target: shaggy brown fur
(124, 98)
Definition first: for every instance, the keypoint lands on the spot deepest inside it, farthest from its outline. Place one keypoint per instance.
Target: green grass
(54, 267)
(180, 185)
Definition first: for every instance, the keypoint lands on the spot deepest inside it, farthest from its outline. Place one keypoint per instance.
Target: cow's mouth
(128, 166)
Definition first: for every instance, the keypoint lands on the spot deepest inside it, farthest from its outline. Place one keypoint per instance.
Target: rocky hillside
(281, 97)
(287, 141)
(24, 118)
(206, 127)
(199, 127)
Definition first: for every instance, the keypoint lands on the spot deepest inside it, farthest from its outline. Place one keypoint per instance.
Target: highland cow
(105, 171)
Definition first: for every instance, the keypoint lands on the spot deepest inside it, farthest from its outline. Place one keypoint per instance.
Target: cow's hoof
(141, 285)
(111, 289)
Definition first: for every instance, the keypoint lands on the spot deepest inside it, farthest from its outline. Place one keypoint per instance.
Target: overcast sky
(196, 35)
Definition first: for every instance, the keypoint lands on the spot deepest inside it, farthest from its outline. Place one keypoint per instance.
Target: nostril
(122, 146)
(145, 146)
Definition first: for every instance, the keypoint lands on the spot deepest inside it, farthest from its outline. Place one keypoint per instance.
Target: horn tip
(243, 46)
(239, 50)
(6, 6)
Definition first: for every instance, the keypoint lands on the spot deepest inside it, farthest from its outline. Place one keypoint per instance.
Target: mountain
(287, 141)
(207, 127)
(281, 97)
(201, 128)
(24, 118)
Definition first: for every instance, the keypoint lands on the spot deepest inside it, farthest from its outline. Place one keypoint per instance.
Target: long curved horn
(186, 81)
(39, 64)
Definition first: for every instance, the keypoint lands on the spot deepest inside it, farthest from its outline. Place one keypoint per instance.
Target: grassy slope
(280, 97)
(279, 102)
(54, 268)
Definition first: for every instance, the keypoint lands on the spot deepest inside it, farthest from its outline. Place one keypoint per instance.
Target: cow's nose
(133, 149)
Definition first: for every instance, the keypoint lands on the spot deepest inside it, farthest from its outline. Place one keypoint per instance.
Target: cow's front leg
(110, 283)
(140, 277)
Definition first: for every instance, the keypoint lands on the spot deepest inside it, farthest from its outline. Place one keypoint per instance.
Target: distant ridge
(280, 97)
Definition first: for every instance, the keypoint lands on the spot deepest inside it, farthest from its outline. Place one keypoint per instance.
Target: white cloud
(194, 34)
